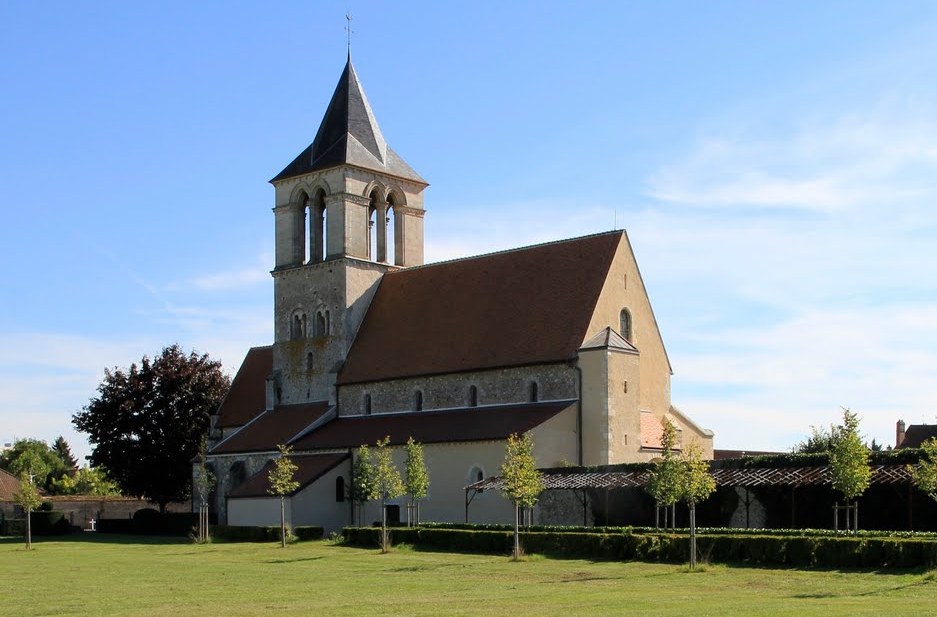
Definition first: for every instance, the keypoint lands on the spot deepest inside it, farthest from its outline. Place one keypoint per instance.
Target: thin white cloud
(885, 152)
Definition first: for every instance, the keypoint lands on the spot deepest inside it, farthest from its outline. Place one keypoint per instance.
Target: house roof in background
(916, 434)
(9, 484)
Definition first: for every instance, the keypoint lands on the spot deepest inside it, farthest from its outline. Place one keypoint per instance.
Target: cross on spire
(348, 29)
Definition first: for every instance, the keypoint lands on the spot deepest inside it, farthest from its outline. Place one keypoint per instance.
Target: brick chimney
(899, 433)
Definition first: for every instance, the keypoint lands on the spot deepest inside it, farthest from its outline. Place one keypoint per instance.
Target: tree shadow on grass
(872, 592)
(295, 560)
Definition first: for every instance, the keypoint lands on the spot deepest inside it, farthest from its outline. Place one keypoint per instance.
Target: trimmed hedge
(44, 523)
(711, 531)
(776, 550)
(244, 533)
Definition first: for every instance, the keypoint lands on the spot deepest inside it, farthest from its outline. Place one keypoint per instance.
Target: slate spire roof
(349, 135)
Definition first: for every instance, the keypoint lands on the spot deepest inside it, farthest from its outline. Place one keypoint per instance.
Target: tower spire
(349, 31)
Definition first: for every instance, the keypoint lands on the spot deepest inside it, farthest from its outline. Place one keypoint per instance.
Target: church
(557, 340)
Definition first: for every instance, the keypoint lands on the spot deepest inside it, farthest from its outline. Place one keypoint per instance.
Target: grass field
(114, 575)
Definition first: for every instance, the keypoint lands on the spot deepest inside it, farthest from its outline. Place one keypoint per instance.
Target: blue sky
(775, 165)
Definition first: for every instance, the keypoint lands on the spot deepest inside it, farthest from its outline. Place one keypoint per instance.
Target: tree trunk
(383, 525)
(29, 530)
(282, 521)
(692, 536)
(517, 535)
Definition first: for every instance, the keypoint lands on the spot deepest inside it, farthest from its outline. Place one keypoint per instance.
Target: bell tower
(347, 210)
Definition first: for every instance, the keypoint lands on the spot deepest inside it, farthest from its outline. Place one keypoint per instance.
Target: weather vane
(348, 29)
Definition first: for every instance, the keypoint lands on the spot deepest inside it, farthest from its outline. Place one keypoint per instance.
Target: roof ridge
(515, 249)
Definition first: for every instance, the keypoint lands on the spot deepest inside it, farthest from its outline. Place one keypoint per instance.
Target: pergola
(580, 480)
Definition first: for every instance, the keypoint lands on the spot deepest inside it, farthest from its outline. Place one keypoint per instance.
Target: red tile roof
(272, 428)
(468, 424)
(652, 431)
(9, 484)
(246, 397)
(310, 468)
(525, 306)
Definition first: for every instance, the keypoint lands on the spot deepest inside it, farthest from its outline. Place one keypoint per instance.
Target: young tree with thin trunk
(664, 481)
(28, 498)
(849, 463)
(283, 482)
(695, 486)
(521, 482)
(416, 480)
(387, 484)
(362, 481)
(203, 481)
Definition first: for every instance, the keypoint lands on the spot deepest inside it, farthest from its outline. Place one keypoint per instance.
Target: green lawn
(113, 575)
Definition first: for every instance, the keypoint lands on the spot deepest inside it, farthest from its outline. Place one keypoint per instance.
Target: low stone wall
(79, 510)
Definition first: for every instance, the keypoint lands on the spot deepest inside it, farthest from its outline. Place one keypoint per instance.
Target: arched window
(390, 223)
(310, 364)
(367, 404)
(321, 329)
(237, 474)
(340, 488)
(299, 229)
(317, 228)
(534, 392)
(418, 400)
(473, 396)
(625, 325)
(298, 326)
(373, 207)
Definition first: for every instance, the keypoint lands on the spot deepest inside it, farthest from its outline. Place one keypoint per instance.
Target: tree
(819, 442)
(416, 478)
(696, 484)
(35, 458)
(203, 481)
(85, 481)
(362, 480)
(386, 484)
(521, 482)
(27, 497)
(924, 473)
(61, 449)
(849, 461)
(147, 422)
(664, 481)
(283, 482)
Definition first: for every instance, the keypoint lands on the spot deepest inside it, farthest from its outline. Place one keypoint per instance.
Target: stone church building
(558, 340)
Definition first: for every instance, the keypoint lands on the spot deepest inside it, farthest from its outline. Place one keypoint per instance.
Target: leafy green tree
(521, 482)
(28, 498)
(147, 422)
(849, 460)
(924, 473)
(416, 478)
(61, 449)
(36, 458)
(696, 485)
(664, 481)
(283, 482)
(387, 484)
(362, 480)
(85, 481)
(820, 442)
